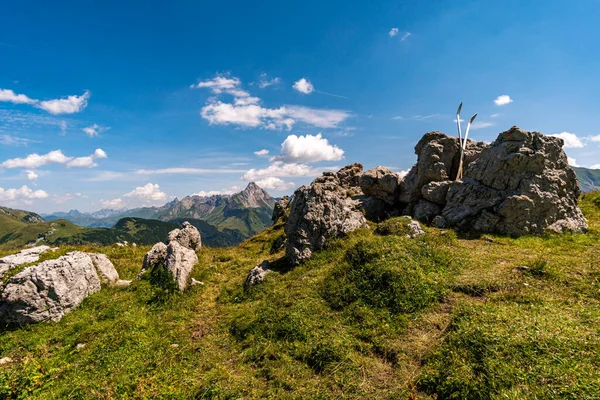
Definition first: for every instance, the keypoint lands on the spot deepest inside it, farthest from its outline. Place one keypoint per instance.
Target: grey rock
(436, 191)
(280, 209)
(48, 290)
(195, 282)
(105, 268)
(414, 229)
(520, 184)
(258, 274)
(439, 222)
(349, 177)
(156, 255)
(188, 237)
(426, 211)
(322, 211)
(382, 183)
(180, 261)
(122, 283)
(5, 360)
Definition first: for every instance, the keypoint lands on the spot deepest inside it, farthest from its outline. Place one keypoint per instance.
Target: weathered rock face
(321, 211)
(382, 183)
(280, 209)
(105, 268)
(188, 237)
(438, 160)
(258, 274)
(51, 289)
(23, 257)
(521, 184)
(349, 176)
(180, 261)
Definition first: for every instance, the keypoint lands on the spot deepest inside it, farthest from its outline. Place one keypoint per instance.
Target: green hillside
(369, 317)
(589, 179)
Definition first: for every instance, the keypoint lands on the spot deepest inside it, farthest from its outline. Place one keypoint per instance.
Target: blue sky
(104, 104)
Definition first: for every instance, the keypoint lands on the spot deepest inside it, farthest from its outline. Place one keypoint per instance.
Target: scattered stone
(258, 274)
(382, 183)
(402, 226)
(122, 283)
(414, 230)
(80, 346)
(322, 211)
(280, 209)
(188, 237)
(5, 360)
(196, 282)
(174, 345)
(48, 290)
(106, 270)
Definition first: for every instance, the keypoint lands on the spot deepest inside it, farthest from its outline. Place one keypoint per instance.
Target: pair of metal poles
(462, 142)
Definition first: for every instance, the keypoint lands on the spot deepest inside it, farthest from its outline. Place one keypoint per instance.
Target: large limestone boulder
(521, 184)
(188, 237)
(322, 211)
(382, 183)
(105, 268)
(438, 158)
(156, 255)
(23, 257)
(180, 261)
(52, 288)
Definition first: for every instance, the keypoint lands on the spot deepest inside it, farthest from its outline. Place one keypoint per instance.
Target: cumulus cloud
(116, 204)
(597, 166)
(304, 86)
(23, 193)
(393, 32)
(32, 175)
(94, 130)
(572, 162)
(595, 138)
(272, 183)
(571, 140)
(307, 149)
(248, 116)
(33, 161)
(503, 100)
(8, 95)
(148, 192)
(70, 105)
(280, 170)
(262, 152)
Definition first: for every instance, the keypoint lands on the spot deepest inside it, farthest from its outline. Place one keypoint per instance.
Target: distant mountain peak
(254, 196)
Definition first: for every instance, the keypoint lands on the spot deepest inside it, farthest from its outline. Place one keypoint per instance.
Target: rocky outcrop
(188, 237)
(258, 274)
(381, 183)
(180, 261)
(23, 257)
(52, 288)
(280, 209)
(521, 184)
(321, 211)
(179, 256)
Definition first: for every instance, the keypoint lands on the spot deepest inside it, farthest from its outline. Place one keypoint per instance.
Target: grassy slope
(371, 317)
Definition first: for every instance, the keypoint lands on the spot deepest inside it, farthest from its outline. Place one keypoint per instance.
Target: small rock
(521, 268)
(80, 346)
(258, 274)
(415, 230)
(5, 360)
(122, 283)
(174, 345)
(195, 282)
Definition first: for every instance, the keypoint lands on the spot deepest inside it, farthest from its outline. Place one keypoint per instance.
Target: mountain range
(589, 179)
(223, 220)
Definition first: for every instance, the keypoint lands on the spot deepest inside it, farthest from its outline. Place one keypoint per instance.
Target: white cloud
(397, 117)
(571, 140)
(272, 183)
(503, 100)
(494, 115)
(393, 32)
(116, 204)
(33, 161)
(23, 193)
(280, 170)
(248, 116)
(406, 36)
(10, 96)
(94, 130)
(304, 86)
(66, 197)
(231, 190)
(572, 162)
(147, 193)
(403, 173)
(32, 175)
(265, 82)
(595, 138)
(317, 117)
(597, 166)
(481, 124)
(9, 140)
(223, 84)
(262, 152)
(307, 149)
(63, 127)
(244, 101)
(70, 105)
